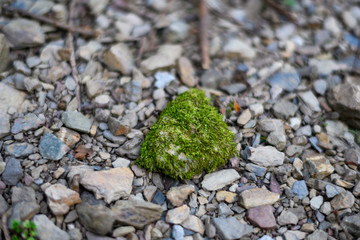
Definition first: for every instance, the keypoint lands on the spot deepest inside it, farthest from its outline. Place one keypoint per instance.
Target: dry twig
(3, 226)
(72, 55)
(69, 28)
(204, 42)
(281, 10)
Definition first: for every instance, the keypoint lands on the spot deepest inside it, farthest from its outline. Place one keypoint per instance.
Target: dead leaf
(237, 107)
(82, 152)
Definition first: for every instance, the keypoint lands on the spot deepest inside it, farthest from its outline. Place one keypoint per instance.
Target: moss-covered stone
(188, 138)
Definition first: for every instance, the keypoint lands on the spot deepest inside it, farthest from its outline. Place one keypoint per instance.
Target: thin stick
(281, 10)
(81, 31)
(72, 55)
(204, 43)
(3, 226)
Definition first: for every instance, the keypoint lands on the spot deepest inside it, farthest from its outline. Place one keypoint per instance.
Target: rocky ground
(287, 89)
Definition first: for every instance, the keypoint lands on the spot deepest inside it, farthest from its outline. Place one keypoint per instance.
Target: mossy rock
(188, 138)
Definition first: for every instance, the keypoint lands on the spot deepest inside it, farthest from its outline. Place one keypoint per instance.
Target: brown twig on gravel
(281, 10)
(72, 55)
(69, 28)
(3, 226)
(204, 42)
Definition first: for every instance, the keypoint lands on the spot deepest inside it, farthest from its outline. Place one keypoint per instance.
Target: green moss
(188, 138)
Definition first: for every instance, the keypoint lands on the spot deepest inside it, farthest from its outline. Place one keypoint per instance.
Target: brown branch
(281, 10)
(69, 28)
(204, 42)
(3, 226)
(72, 55)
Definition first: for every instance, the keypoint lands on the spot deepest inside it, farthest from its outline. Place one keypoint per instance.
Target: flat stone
(46, 229)
(119, 127)
(95, 218)
(51, 147)
(194, 224)
(13, 171)
(266, 156)
(87, 50)
(317, 235)
(284, 109)
(332, 25)
(186, 72)
(136, 213)
(123, 231)
(352, 224)
(234, 88)
(60, 198)
(317, 166)
(178, 215)
(287, 79)
(226, 196)
(238, 49)
(244, 117)
(177, 195)
(32, 83)
(165, 57)
(133, 90)
(19, 149)
(257, 197)
(178, 232)
(4, 54)
(24, 33)
(22, 194)
(258, 170)
(324, 67)
(316, 202)
(286, 218)
(10, 98)
(231, 228)
(121, 162)
(105, 183)
(270, 125)
(277, 139)
(310, 100)
(77, 121)
(23, 210)
(163, 79)
(159, 198)
(343, 200)
(4, 124)
(333, 190)
(299, 189)
(67, 136)
(119, 57)
(219, 179)
(262, 216)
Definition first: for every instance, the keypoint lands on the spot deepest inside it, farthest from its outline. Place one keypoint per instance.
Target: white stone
(316, 202)
(238, 49)
(266, 156)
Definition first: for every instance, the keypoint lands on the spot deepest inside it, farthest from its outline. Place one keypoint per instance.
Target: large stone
(230, 228)
(13, 171)
(178, 215)
(266, 156)
(136, 213)
(284, 109)
(51, 147)
(60, 198)
(287, 217)
(352, 224)
(10, 98)
(109, 184)
(186, 72)
(262, 216)
(165, 57)
(310, 100)
(4, 54)
(270, 125)
(22, 211)
(46, 229)
(257, 197)
(347, 105)
(19, 149)
(177, 195)
(24, 33)
(119, 57)
(217, 180)
(29, 122)
(76, 121)
(238, 49)
(317, 166)
(4, 124)
(194, 224)
(343, 200)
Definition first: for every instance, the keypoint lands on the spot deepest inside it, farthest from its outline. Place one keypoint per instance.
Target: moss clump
(188, 138)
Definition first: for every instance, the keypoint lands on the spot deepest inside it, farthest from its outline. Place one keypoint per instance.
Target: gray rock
(163, 79)
(19, 194)
(277, 139)
(310, 100)
(285, 31)
(299, 189)
(317, 235)
(210, 79)
(234, 88)
(304, 131)
(352, 224)
(4, 54)
(343, 200)
(333, 26)
(4, 124)
(115, 139)
(130, 148)
(52, 148)
(176, 31)
(4, 206)
(333, 190)
(231, 228)
(224, 210)
(258, 170)
(270, 125)
(178, 232)
(120, 58)
(95, 218)
(287, 217)
(46, 229)
(24, 33)
(320, 86)
(238, 49)
(21, 67)
(287, 79)
(29, 122)
(266, 156)
(324, 67)
(136, 213)
(13, 171)
(76, 121)
(10, 98)
(284, 109)
(133, 90)
(19, 149)
(219, 179)
(316, 202)
(33, 61)
(23, 210)
(32, 83)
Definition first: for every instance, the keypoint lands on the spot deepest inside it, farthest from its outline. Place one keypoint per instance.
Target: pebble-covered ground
(287, 89)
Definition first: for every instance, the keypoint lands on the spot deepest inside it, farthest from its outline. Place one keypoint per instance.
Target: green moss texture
(188, 138)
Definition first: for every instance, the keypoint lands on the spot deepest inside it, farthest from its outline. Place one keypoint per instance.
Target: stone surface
(310, 100)
(194, 224)
(60, 198)
(352, 224)
(106, 183)
(178, 215)
(262, 216)
(177, 195)
(13, 171)
(186, 72)
(299, 189)
(77, 121)
(343, 200)
(284, 109)
(231, 228)
(219, 179)
(238, 49)
(10, 98)
(46, 229)
(317, 166)
(52, 148)
(136, 213)
(119, 57)
(226, 196)
(287, 217)
(257, 197)
(266, 156)
(4, 53)
(19, 149)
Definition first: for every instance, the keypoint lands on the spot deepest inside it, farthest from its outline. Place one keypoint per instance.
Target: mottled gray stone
(52, 148)
(76, 121)
(46, 229)
(231, 228)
